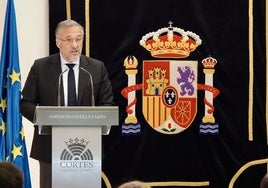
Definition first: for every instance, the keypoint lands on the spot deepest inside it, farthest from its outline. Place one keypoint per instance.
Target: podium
(76, 142)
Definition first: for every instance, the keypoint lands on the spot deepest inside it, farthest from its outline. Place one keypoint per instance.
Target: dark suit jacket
(41, 88)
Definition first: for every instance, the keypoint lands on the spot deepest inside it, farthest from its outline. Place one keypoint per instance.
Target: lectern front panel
(76, 153)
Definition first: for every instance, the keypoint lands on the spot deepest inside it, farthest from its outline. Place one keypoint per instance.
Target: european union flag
(12, 140)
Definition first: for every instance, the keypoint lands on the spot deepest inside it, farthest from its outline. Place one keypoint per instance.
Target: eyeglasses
(71, 40)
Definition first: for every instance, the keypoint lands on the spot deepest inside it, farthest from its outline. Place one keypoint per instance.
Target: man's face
(70, 43)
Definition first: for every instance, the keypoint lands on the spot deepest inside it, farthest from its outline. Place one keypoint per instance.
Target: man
(42, 85)
(10, 175)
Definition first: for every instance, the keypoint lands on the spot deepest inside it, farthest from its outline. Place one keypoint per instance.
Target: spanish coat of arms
(170, 86)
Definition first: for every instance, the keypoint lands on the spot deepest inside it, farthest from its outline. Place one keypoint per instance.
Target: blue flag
(12, 140)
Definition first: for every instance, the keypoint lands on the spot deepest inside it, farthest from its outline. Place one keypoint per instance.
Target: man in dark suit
(42, 85)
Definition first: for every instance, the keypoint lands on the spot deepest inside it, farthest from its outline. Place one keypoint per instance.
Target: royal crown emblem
(209, 62)
(170, 42)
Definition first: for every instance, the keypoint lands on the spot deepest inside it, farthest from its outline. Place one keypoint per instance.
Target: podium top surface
(77, 108)
(76, 115)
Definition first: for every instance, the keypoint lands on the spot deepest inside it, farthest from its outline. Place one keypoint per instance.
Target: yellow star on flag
(15, 76)
(16, 151)
(3, 104)
(3, 127)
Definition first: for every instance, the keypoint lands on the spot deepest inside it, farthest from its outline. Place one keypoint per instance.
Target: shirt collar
(64, 62)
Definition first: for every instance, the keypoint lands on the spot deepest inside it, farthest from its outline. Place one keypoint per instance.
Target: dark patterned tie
(71, 86)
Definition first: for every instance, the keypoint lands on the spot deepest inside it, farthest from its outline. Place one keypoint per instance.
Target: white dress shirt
(65, 78)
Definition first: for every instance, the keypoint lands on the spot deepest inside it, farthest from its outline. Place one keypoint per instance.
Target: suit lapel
(55, 70)
(83, 79)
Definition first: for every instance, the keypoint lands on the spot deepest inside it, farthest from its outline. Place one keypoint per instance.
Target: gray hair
(67, 23)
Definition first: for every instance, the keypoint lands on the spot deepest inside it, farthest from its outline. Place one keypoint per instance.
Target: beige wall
(32, 28)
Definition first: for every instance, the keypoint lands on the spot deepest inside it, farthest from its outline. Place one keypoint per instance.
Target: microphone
(59, 86)
(92, 87)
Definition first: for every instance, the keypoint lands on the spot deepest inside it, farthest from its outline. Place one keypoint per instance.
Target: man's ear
(58, 43)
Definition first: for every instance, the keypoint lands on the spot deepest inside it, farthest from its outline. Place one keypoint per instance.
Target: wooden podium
(76, 142)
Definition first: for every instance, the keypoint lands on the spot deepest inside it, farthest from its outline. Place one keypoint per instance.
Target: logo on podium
(76, 156)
